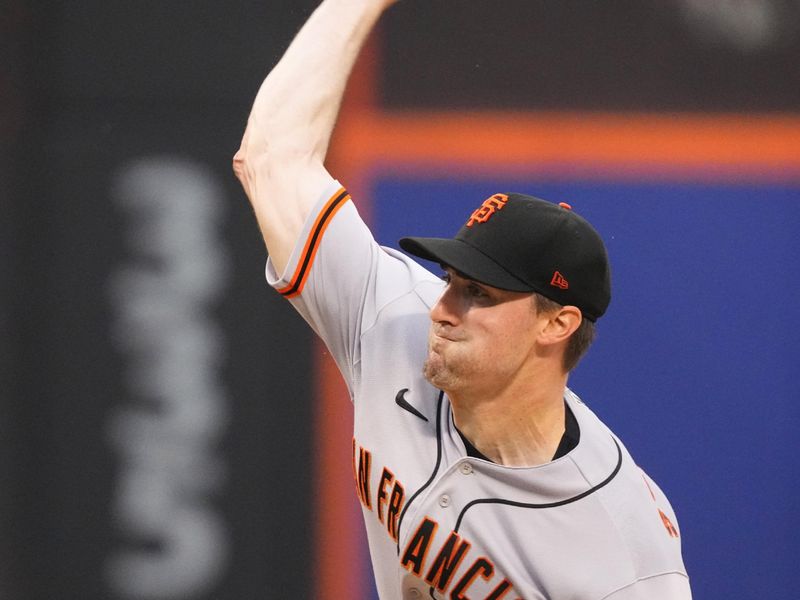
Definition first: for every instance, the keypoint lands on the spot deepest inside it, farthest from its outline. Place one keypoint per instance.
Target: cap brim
(465, 259)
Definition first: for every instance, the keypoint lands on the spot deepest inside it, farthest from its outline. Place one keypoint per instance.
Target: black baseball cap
(523, 244)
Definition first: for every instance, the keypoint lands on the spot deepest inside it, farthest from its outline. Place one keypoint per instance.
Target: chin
(433, 370)
(438, 375)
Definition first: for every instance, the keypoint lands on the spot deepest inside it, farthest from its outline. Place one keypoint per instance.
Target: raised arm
(281, 159)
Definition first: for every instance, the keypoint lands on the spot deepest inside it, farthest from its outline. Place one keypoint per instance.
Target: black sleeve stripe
(297, 282)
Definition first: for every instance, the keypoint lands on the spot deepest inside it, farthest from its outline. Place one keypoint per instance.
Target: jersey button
(444, 501)
(466, 468)
(414, 593)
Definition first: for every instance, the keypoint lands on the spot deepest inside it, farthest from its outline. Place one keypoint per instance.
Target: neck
(521, 425)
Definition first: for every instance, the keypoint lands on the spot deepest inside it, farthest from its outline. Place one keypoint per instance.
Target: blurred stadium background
(169, 430)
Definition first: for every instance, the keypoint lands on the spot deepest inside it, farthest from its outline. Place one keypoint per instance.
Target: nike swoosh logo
(403, 403)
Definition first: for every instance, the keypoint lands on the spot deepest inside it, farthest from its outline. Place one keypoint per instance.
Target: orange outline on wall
(683, 147)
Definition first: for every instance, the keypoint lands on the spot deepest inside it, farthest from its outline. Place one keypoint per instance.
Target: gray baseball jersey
(590, 525)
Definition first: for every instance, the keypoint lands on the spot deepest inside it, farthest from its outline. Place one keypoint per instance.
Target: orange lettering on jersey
(362, 483)
(386, 479)
(446, 562)
(481, 567)
(447, 566)
(355, 474)
(418, 546)
(671, 529)
(395, 508)
(668, 524)
(389, 504)
(485, 211)
(501, 590)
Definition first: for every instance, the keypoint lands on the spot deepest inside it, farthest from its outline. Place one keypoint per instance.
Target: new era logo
(559, 281)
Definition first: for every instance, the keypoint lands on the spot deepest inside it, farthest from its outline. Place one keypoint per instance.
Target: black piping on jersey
(300, 275)
(580, 496)
(435, 468)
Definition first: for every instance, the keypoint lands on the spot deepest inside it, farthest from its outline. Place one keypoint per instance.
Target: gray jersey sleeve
(339, 278)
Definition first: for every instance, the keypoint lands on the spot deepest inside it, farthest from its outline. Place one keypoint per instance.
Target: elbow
(269, 158)
(238, 164)
(243, 166)
(244, 169)
(269, 162)
(253, 158)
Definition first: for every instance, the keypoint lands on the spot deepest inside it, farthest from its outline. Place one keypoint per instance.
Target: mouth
(438, 335)
(439, 341)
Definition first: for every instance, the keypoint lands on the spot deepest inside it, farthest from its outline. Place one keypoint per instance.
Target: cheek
(489, 347)
(512, 335)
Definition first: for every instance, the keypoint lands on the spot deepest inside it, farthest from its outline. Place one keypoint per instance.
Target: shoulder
(404, 293)
(645, 526)
(402, 273)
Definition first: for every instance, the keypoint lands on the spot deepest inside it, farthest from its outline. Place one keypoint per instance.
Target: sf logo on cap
(490, 206)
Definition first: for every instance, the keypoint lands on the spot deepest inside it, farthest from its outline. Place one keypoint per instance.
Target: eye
(476, 291)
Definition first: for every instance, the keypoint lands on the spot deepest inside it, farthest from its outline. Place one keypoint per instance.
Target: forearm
(293, 116)
(297, 104)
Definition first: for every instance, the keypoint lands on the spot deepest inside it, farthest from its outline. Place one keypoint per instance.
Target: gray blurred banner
(156, 385)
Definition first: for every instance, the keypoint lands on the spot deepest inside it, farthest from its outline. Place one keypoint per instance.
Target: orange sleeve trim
(332, 206)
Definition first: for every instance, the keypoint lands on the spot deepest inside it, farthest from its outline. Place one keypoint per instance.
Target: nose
(446, 309)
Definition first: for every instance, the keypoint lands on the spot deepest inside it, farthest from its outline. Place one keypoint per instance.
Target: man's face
(480, 336)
